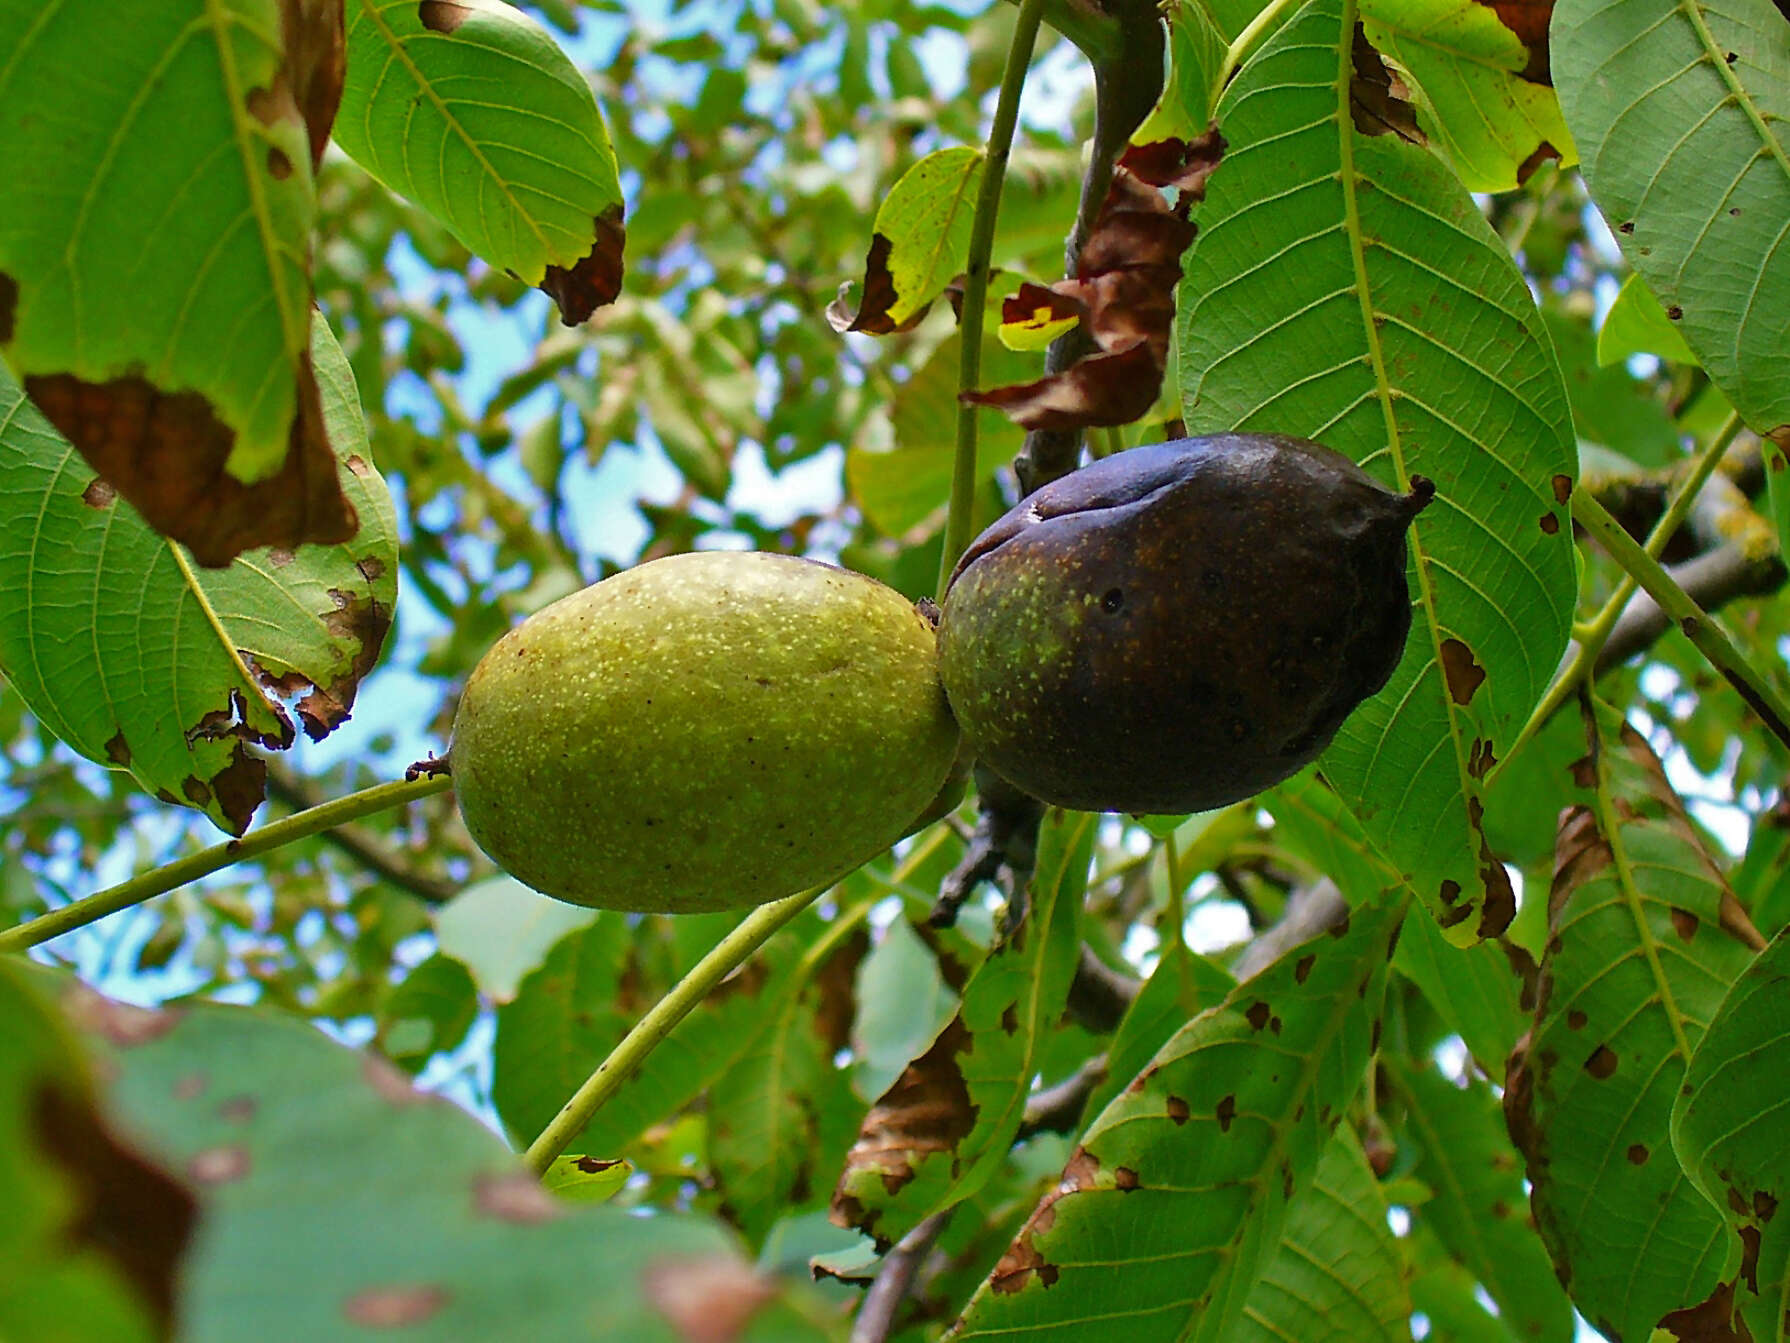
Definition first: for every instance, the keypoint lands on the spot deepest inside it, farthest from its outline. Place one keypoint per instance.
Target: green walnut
(702, 732)
(1178, 627)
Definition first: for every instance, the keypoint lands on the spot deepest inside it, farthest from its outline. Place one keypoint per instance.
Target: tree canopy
(336, 339)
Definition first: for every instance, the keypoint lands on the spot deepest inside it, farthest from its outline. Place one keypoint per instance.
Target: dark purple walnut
(1180, 626)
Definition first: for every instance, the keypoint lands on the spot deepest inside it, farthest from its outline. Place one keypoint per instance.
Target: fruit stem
(975, 283)
(1590, 636)
(276, 834)
(1175, 934)
(1760, 695)
(723, 958)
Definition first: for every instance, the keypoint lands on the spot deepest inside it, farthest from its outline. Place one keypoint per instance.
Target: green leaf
(1196, 50)
(1338, 1276)
(1610, 407)
(946, 1125)
(1316, 303)
(903, 1003)
(1637, 324)
(565, 1017)
(568, 1014)
(469, 109)
(921, 242)
(904, 492)
(585, 1179)
(500, 930)
(1679, 110)
(137, 658)
(1728, 1128)
(1639, 955)
(1474, 101)
(167, 231)
(1477, 991)
(93, 1238)
(780, 1117)
(1182, 985)
(1476, 1206)
(1447, 1295)
(1179, 1191)
(430, 1011)
(341, 1204)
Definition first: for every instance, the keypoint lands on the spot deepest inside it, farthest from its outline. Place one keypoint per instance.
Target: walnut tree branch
(895, 1279)
(360, 844)
(1127, 60)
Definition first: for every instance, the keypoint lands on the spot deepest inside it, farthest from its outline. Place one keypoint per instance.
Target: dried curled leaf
(1123, 292)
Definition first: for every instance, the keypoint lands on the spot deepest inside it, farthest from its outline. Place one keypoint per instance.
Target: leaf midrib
(372, 11)
(1383, 387)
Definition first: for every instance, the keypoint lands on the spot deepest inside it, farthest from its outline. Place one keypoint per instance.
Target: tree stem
(975, 283)
(723, 958)
(146, 885)
(1760, 695)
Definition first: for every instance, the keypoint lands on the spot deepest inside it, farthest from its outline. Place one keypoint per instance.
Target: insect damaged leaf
(1123, 292)
(178, 671)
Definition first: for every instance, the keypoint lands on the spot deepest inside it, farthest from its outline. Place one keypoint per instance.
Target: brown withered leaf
(872, 314)
(1123, 290)
(928, 1109)
(1528, 20)
(596, 279)
(310, 81)
(165, 452)
(1379, 101)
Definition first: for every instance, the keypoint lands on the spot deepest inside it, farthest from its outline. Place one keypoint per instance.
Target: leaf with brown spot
(1383, 363)
(1479, 85)
(1214, 1173)
(709, 1300)
(200, 404)
(1465, 1157)
(1623, 1000)
(462, 1232)
(947, 1124)
(395, 1307)
(1679, 113)
(1728, 1129)
(106, 1229)
(1379, 99)
(1123, 290)
(547, 207)
(595, 280)
(181, 709)
(922, 240)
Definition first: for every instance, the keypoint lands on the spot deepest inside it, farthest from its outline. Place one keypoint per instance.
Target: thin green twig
(1589, 639)
(975, 283)
(1760, 695)
(158, 881)
(723, 958)
(1176, 911)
